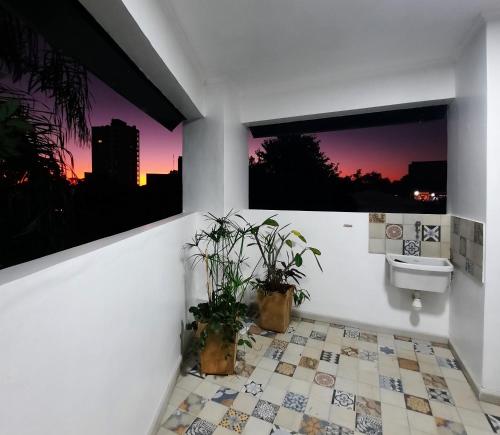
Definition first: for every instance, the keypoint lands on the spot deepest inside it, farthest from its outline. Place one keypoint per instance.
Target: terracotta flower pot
(218, 357)
(275, 309)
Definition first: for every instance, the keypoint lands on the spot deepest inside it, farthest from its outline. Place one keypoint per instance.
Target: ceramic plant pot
(218, 357)
(275, 309)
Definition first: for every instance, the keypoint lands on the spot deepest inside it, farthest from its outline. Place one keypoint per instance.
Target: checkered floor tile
(321, 378)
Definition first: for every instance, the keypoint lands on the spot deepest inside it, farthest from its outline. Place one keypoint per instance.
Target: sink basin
(420, 273)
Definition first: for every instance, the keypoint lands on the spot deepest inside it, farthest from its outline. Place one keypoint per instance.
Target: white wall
(467, 196)
(401, 89)
(491, 380)
(354, 285)
(89, 344)
(215, 156)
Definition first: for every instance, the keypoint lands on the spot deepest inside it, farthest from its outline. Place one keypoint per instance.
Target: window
(79, 160)
(387, 162)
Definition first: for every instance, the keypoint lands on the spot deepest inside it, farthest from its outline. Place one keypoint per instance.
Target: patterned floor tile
(234, 420)
(344, 399)
(368, 406)
(352, 333)
(265, 411)
(434, 381)
(193, 404)
(423, 348)
(447, 427)
(418, 404)
(279, 344)
(201, 427)
(298, 339)
(308, 363)
(389, 383)
(243, 369)
(179, 422)
(387, 350)
(349, 351)
(311, 363)
(295, 401)
(408, 364)
(326, 356)
(442, 396)
(277, 430)
(284, 368)
(225, 396)
(253, 388)
(313, 426)
(273, 353)
(366, 336)
(368, 424)
(367, 355)
(447, 362)
(324, 379)
(494, 422)
(316, 335)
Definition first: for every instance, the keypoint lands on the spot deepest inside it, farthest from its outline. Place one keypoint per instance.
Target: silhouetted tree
(44, 99)
(292, 172)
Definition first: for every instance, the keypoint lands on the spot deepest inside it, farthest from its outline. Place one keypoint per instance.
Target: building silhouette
(429, 176)
(115, 154)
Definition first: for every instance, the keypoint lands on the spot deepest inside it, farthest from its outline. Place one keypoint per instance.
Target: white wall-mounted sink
(420, 273)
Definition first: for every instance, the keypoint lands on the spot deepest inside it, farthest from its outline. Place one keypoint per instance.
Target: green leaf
(271, 223)
(289, 243)
(315, 251)
(300, 236)
(298, 260)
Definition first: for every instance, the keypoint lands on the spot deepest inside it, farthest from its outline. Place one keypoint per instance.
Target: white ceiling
(265, 42)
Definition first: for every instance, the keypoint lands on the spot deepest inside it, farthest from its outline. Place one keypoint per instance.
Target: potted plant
(220, 250)
(282, 251)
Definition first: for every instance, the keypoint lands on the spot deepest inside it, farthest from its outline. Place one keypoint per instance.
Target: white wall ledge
(22, 270)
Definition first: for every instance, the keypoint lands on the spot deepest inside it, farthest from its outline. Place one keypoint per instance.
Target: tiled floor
(322, 378)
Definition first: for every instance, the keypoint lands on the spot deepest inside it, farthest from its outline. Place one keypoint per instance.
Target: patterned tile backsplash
(467, 246)
(427, 235)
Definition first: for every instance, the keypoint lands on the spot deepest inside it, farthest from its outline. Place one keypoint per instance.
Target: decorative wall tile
(394, 231)
(378, 218)
(466, 246)
(411, 247)
(387, 233)
(431, 233)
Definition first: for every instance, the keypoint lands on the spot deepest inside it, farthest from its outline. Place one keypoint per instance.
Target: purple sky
(157, 143)
(387, 149)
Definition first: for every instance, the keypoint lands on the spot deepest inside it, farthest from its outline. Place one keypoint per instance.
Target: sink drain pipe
(417, 301)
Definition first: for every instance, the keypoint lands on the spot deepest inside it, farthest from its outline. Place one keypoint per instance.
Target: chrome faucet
(418, 224)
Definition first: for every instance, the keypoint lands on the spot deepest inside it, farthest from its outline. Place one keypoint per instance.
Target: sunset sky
(387, 149)
(157, 143)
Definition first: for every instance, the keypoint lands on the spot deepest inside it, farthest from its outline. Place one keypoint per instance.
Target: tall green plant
(282, 252)
(220, 250)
